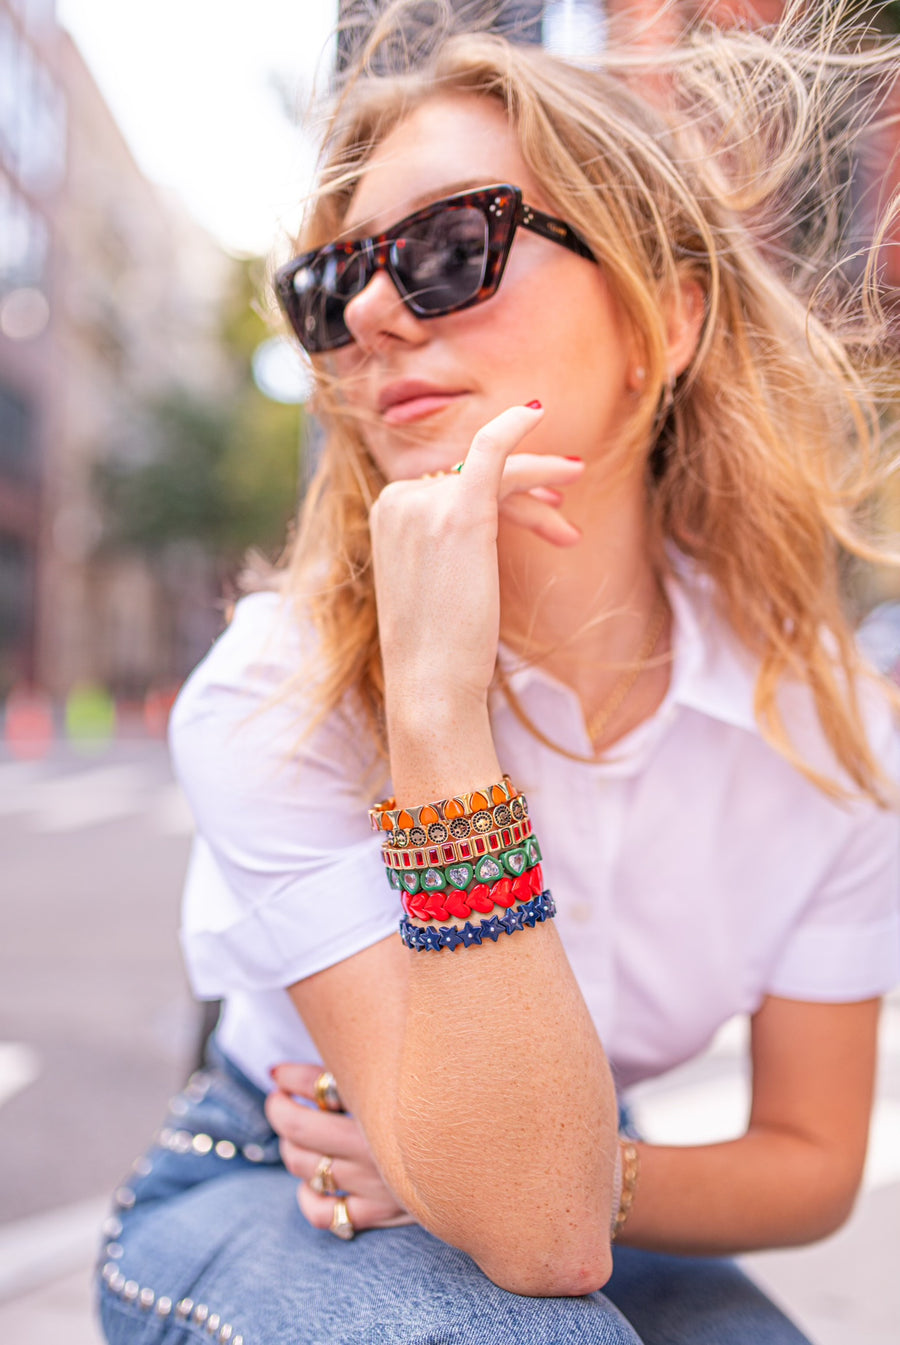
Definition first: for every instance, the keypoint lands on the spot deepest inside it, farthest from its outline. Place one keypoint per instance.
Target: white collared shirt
(695, 871)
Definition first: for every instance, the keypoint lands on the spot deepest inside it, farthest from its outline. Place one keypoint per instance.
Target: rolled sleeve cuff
(315, 923)
(836, 963)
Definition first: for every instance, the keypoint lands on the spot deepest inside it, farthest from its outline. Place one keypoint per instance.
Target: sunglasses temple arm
(556, 230)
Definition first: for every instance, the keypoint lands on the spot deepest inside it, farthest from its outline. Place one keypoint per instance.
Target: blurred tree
(221, 473)
(885, 14)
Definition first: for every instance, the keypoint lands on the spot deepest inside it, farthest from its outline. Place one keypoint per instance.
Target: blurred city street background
(154, 158)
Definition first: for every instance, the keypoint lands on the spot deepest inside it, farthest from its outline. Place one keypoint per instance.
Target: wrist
(439, 748)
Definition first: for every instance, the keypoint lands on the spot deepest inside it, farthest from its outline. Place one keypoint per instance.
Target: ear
(685, 315)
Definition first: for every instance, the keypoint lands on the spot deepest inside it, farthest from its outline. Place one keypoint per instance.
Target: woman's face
(552, 331)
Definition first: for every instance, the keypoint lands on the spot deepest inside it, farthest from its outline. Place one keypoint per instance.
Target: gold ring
(322, 1181)
(325, 1091)
(341, 1223)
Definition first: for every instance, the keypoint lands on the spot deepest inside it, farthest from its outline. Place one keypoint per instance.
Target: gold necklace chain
(625, 684)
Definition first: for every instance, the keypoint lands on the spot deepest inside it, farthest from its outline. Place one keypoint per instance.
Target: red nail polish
(534, 406)
(572, 457)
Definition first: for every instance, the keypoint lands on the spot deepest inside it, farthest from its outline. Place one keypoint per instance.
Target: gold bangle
(452, 852)
(631, 1166)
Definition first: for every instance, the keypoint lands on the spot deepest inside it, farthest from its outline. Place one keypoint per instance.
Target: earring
(668, 397)
(638, 378)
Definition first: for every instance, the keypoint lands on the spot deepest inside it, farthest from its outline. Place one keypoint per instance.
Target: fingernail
(273, 1072)
(572, 457)
(534, 406)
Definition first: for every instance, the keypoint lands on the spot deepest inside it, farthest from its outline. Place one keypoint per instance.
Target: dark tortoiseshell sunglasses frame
(500, 205)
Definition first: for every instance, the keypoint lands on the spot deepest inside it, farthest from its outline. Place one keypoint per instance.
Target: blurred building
(32, 170)
(108, 295)
(521, 19)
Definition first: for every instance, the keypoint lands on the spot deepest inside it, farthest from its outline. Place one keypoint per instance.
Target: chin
(413, 450)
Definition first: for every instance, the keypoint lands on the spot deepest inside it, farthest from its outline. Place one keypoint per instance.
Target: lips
(410, 399)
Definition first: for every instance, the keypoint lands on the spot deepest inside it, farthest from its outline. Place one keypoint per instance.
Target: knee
(511, 1319)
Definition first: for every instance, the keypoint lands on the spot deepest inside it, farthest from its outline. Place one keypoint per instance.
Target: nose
(378, 316)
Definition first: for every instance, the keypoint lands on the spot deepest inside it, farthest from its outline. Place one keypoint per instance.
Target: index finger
(494, 442)
(298, 1079)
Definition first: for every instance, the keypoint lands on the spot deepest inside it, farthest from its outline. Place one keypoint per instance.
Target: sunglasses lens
(440, 260)
(317, 295)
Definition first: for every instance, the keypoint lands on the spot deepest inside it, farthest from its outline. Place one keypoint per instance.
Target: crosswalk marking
(19, 1067)
(45, 1246)
(171, 815)
(16, 779)
(55, 802)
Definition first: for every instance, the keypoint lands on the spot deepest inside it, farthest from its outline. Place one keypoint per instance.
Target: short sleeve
(846, 944)
(286, 875)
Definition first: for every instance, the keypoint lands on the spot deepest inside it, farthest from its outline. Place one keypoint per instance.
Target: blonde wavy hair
(718, 160)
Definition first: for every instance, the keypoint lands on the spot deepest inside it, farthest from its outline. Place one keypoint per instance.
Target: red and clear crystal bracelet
(454, 851)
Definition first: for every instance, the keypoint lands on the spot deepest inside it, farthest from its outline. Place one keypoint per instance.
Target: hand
(434, 549)
(308, 1134)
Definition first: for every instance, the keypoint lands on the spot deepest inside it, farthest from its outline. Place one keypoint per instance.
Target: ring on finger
(322, 1181)
(325, 1092)
(341, 1224)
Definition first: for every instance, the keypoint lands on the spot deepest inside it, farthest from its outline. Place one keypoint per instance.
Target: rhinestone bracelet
(431, 939)
(455, 851)
(385, 816)
(463, 876)
(435, 874)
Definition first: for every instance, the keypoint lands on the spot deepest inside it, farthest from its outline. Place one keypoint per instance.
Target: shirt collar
(712, 673)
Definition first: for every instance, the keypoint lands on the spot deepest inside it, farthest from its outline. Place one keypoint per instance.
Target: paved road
(95, 1015)
(97, 1027)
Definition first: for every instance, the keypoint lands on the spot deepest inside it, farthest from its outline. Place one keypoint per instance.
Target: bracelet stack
(470, 853)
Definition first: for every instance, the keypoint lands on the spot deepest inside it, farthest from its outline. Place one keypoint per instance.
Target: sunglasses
(444, 258)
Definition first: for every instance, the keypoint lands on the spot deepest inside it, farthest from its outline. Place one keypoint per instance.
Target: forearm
(506, 1113)
(769, 1188)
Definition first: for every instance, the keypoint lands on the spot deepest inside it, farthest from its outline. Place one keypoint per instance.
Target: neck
(584, 613)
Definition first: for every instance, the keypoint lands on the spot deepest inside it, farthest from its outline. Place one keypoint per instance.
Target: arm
(793, 1176)
(477, 1075)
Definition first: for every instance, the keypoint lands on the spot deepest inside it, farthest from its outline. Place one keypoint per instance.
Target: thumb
(297, 1079)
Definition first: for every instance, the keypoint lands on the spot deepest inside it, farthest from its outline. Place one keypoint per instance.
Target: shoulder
(259, 649)
(246, 712)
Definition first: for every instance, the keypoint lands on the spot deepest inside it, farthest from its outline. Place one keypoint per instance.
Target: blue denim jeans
(207, 1243)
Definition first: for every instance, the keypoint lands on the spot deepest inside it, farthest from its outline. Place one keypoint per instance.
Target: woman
(576, 413)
